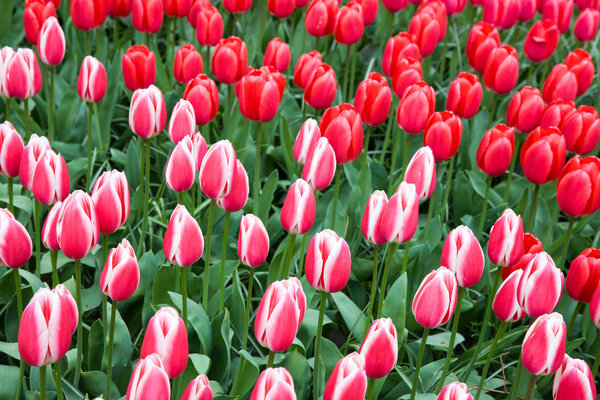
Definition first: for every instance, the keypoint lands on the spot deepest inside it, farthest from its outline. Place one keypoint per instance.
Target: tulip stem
(43, 382)
(576, 312)
(395, 147)
(413, 391)
(493, 111)
(257, 167)
(488, 360)
(513, 162)
(211, 212)
(51, 106)
(146, 182)
(207, 63)
(261, 24)
(11, 207)
(271, 359)
(563, 256)
(461, 293)
(386, 270)
(58, 380)
(353, 69)
(26, 106)
(317, 359)
(184, 296)
(53, 258)
(80, 322)
(429, 214)
(223, 256)
(373, 289)
(596, 364)
(20, 309)
(388, 130)
(530, 387)
(406, 251)
(371, 384)
(347, 73)
(288, 255)
(484, 207)
(300, 267)
(336, 193)
(248, 309)
(531, 216)
(406, 152)
(111, 336)
(89, 147)
(36, 216)
(447, 189)
(8, 109)
(116, 33)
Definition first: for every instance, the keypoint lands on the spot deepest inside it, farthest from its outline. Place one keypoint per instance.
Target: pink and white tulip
(183, 243)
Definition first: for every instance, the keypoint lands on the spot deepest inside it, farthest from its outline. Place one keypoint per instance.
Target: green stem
(530, 387)
(248, 309)
(353, 73)
(289, 255)
(223, 256)
(80, 322)
(8, 109)
(43, 382)
(146, 182)
(370, 386)
(484, 207)
(488, 361)
(11, 206)
(26, 106)
(406, 251)
(563, 255)
(429, 215)
(256, 185)
(443, 60)
(461, 293)
(208, 61)
(386, 270)
(211, 213)
(53, 258)
(299, 272)
(596, 364)
(576, 312)
(88, 43)
(111, 336)
(116, 33)
(51, 107)
(515, 386)
(89, 146)
(368, 131)
(233, 23)
(531, 216)
(317, 360)
(20, 310)
(336, 193)
(271, 359)
(493, 111)
(447, 189)
(36, 205)
(406, 152)
(513, 163)
(179, 197)
(184, 295)
(373, 289)
(58, 380)
(261, 24)
(413, 391)
(347, 73)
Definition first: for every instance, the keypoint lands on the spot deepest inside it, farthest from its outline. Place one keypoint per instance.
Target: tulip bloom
(274, 383)
(462, 254)
(183, 121)
(230, 60)
(525, 109)
(577, 187)
(180, 172)
(421, 172)
(349, 26)
(502, 13)
(77, 227)
(416, 106)
(407, 72)
(443, 133)
(380, 348)
(6, 53)
(177, 8)
(200, 149)
(397, 48)
(253, 241)
(187, 64)
(183, 242)
(307, 137)
(560, 84)
(581, 64)
(495, 151)
(531, 246)
(348, 379)
(435, 300)
(11, 150)
(88, 14)
(147, 113)
(209, 25)
(342, 126)
(281, 8)
(279, 314)
(149, 380)
(147, 15)
(328, 262)
(320, 167)
(198, 389)
(277, 55)
(543, 154)
(259, 94)
(120, 8)
(544, 345)
(202, 92)
(320, 17)
(121, 275)
(555, 113)
(373, 99)
(23, 78)
(464, 95)
(584, 275)
(502, 69)
(586, 25)
(218, 169)
(34, 16)
(306, 66)
(51, 43)
(505, 244)
(395, 5)
(48, 234)
(321, 87)
(15, 242)
(428, 26)
(482, 39)
(573, 379)
(138, 67)
(111, 200)
(32, 153)
(558, 11)
(51, 181)
(373, 217)
(455, 391)
(541, 41)
(237, 198)
(401, 215)
(581, 129)
(541, 286)
(91, 82)
(506, 302)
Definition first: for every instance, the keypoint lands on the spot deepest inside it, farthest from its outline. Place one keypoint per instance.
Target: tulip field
(299, 199)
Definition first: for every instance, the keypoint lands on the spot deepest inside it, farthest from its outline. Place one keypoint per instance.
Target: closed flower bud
(180, 172)
(15, 243)
(202, 92)
(401, 215)
(77, 227)
(177, 8)
(577, 191)
(218, 170)
(11, 150)
(455, 391)
(421, 172)
(307, 137)
(584, 275)
(49, 238)
(369, 10)
(483, 38)
(531, 246)
(237, 198)
(320, 17)
(34, 16)
(147, 113)
(320, 89)
(435, 300)
(32, 153)
(237, 6)
(429, 26)
(253, 241)
(506, 302)
(259, 94)
(298, 211)
(372, 219)
(274, 383)
(349, 26)
(328, 262)
(209, 25)
(306, 66)
(528, 9)
(111, 200)
(560, 84)
(502, 13)
(380, 348)
(147, 15)
(573, 380)
(525, 109)
(581, 129)
(51, 181)
(495, 151)
(23, 78)
(6, 53)
(555, 113)
(230, 60)
(558, 11)
(502, 69)
(581, 64)
(320, 165)
(121, 274)
(277, 55)
(505, 244)
(541, 286)
(198, 389)
(543, 155)
(443, 133)
(455, 6)
(51, 43)
(586, 25)
(91, 82)
(188, 63)
(397, 48)
(149, 380)
(544, 345)
(183, 243)
(348, 380)
(395, 5)
(183, 121)
(373, 99)
(342, 126)
(541, 41)
(464, 95)
(138, 67)
(281, 8)
(200, 149)
(88, 14)
(407, 72)
(595, 308)
(463, 255)
(416, 106)
(120, 8)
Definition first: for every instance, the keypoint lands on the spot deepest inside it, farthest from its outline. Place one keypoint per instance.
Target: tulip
(429, 26)
(218, 170)
(464, 95)
(583, 4)
(573, 379)
(394, 6)
(373, 99)
(502, 13)
(544, 345)
(348, 379)
(15, 243)
(320, 18)
(307, 137)
(380, 348)
(349, 26)
(455, 391)
(253, 241)
(237, 6)
(198, 389)
(188, 63)
(531, 246)
(584, 275)
(581, 129)
(320, 166)
(32, 153)
(595, 308)
(11, 151)
(88, 14)
(149, 380)
(259, 94)
(183, 242)
(279, 314)
(580, 63)
(435, 300)
(180, 172)
(183, 121)
(342, 126)
(274, 383)
(328, 262)
(502, 69)
(147, 15)
(506, 302)
(528, 10)
(541, 286)
(277, 55)
(35, 14)
(369, 11)
(121, 275)
(407, 72)
(543, 155)
(483, 38)
(560, 84)
(455, 6)
(200, 149)
(120, 8)
(401, 215)
(77, 227)
(138, 66)
(51, 43)
(306, 66)
(463, 255)
(558, 11)
(6, 53)
(586, 25)
(209, 25)
(443, 133)
(177, 8)
(147, 113)
(298, 211)
(555, 112)
(525, 109)
(416, 106)
(421, 172)
(238, 197)
(111, 200)
(372, 219)
(230, 60)
(577, 186)
(23, 78)
(495, 150)
(203, 94)
(397, 48)
(50, 179)
(320, 89)
(541, 40)
(505, 245)
(49, 238)
(91, 82)
(281, 8)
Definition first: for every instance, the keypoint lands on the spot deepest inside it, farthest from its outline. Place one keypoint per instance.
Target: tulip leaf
(95, 346)
(298, 366)
(249, 371)
(10, 381)
(201, 362)
(395, 305)
(353, 317)
(266, 197)
(198, 319)
(238, 308)
(10, 349)
(222, 334)
(94, 383)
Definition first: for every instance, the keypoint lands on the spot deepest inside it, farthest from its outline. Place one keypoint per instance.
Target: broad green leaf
(198, 319)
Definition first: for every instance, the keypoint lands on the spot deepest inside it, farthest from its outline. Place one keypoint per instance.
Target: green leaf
(222, 334)
(94, 383)
(201, 362)
(266, 197)
(198, 319)
(10, 381)
(394, 305)
(352, 315)
(11, 349)
(122, 346)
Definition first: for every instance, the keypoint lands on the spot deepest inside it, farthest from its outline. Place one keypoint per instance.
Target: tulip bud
(198, 389)
(443, 133)
(147, 15)
(528, 10)
(580, 63)
(209, 25)
(401, 215)
(373, 99)
(149, 380)
(577, 186)
(573, 379)
(253, 241)
(298, 211)
(177, 8)
(32, 153)
(15, 243)
(111, 200)
(531, 246)
(88, 14)
(307, 137)
(525, 109)
(483, 38)
(506, 302)
(372, 219)
(35, 14)
(320, 89)
(48, 234)
(560, 84)
(183, 121)
(541, 41)
(180, 172)
(121, 274)
(394, 6)
(183, 243)
(380, 348)
(541, 286)
(581, 129)
(259, 94)
(43, 338)
(91, 82)
(188, 63)
(51, 181)
(595, 308)
(397, 48)
(463, 255)
(495, 151)
(306, 66)
(349, 26)
(320, 17)
(277, 55)
(23, 78)
(502, 69)
(138, 67)
(505, 245)
(348, 380)
(407, 72)
(429, 26)
(274, 383)
(544, 345)
(586, 25)
(237, 6)
(230, 60)
(120, 8)
(369, 10)
(502, 13)
(281, 8)
(584, 275)
(555, 113)
(77, 227)
(11, 150)
(455, 391)
(237, 198)
(166, 336)
(279, 315)
(320, 167)
(203, 94)
(421, 172)
(416, 106)
(342, 126)
(51, 43)
(6, 53)
(328, 262)
(147, 113)
(558, 11)
(435, 300)
(464, 95)
(543, 154)
(218, 170)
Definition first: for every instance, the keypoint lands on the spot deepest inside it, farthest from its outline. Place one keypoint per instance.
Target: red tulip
(416, 106)
(581, 129)
(528, 10)
(237, 198)
(259, 94)
(342, 126)
(138, 67)
(180, 172)
(319, 169)
(531, 246)
(200, 149)
(320, 17)
(23, 78)
(380, 348)
(209, 25)
(32, 153)
(455, 391)
(372, 219)
(198, 389)
(407, 72)
(505, 244)
(237, 6)
(554, 114)
(373, 99)
(541, 286)
(421, 172)
(463, 255)
(91, 82)
(51, 181)
(586, 25)
(306, 66)
(543, 154)
(279, 315)
(149, 380)
(230, 60)
(88, 14)
(274, 383)
(464, 95)
(277, 55)
(502, 13)
(298, 211)
(435, 300)
(147, 15)
(48, 234)
(584, 275)
(121, 275)
(218, 170)
(328, 262)
(51, 44)
(394, 6)
(559, 11)
(573, 379)
(454, 6)
(580, 63)
(483, 38)
(506, 302)
(35, 14)
(495, 151)
(187, 64)
(202, 92)
(6, 53)
(578, 186)
(349, 26)
(307, 137)
(397, 48)
(595, 308)
(183, 243)
(560, 84)
(253, 241)
(502, 69)
(544, 345)
(11, 150)
(177, 8)
(15, 243)
(525, 109)
(401, 215)
(541, 40)
(348, 379)
(111, 200)
(77, 226)
(443, 133)
(120, 8)
(583, 4)
(320, 89)
(428, 28)
(281, 8)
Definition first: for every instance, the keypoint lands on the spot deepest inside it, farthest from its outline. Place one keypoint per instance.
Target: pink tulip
(198, 389)
(328, 262)
(51, 181)
(182, 122)
(23, 77)
(506, 302)
(380, 348)
(51, 42)
(166, 336)
(31, 155)
(299, 208)
(218, 170)
(91, 83)
(147, 113)
(421, 172)
(253, 241)
(595, 308)
(463, 255)
(5, 55)
(11, 150)
(505, 245)
(541, 286)
(544, 345)
(274, 383)
(238, 197)
(200, 149)
(15, 242)
(372, 219)
(348, 380)
(77, 227)
(180, 172)
(435, 300)
(149, 380)
(111, 199)
(307, 137)
(401, 215)
(183, 243)
(573, 380)
(121, 275)
(455, 391)
(320, 167)
(49, 238)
